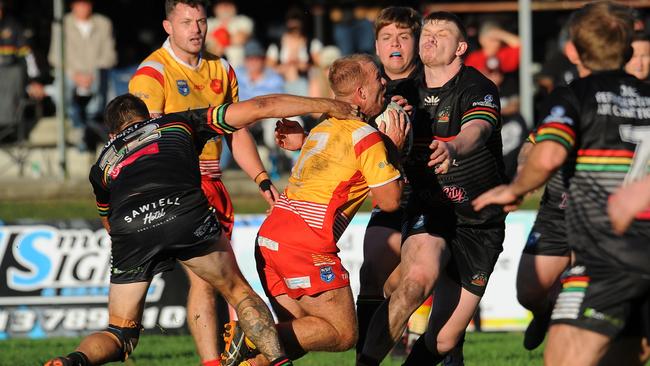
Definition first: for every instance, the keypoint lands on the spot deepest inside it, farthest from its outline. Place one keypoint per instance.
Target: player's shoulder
(471, 78)
(217, 61)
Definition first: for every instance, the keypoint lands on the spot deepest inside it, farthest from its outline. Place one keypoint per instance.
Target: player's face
(639, 64)
(396, 50)
(187, 27)
(440, 43)
(375, 88)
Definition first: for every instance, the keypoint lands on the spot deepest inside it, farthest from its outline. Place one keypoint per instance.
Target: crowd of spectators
(293, 58)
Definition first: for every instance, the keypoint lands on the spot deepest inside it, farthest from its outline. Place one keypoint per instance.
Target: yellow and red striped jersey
(339, 161)
(167, 84)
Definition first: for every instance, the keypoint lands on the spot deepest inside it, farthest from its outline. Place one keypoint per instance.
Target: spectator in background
(218, 37)
(240, 29)
(291, 58)
(557, 70)
(353, 29)
(639, 64)
(17, 65)
(255, 79)
(319, 85)
(89, 52)
(498, 48)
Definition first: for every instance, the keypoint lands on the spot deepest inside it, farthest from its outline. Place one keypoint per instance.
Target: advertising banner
(54, 277)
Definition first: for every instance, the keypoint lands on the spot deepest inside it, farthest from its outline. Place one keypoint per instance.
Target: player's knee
(346, 340)
(416, 285)
(126, 333)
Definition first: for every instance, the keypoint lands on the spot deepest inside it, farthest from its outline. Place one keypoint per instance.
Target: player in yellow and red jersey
(180, 76)
(340, 163)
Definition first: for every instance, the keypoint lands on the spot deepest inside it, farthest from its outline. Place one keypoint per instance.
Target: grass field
(481, 349)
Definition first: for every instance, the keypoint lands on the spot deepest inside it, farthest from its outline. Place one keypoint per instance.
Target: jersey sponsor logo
(183, 87)
(267, 243)
(217, 86)
(455, 194)
(326, 274)
(628, 91)
(147, 209)
(488, 101)
(594, 314)
(209, 226)
(480, 279)
(431, 100)
(199, 87)
(626, 105)
(298, 282)
(558, 114)
(443, 115)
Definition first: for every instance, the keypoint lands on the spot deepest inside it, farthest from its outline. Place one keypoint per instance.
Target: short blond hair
(602, 33)
(347, 73)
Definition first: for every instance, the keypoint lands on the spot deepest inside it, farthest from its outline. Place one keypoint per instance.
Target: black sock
(281, 361)
(364, 360)
(366, 308)
(78, 359)
(422, 355)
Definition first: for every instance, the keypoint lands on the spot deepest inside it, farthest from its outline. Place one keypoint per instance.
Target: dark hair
(124, 109)
(402, 17)
(602, 34)
(449, 17)
(171, 4)
(640, 36)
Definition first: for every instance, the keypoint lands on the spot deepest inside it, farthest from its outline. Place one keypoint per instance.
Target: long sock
(215, 362)
(364, 360)
(281, 361)
(421, 355)
(366, 307)
(78, 359)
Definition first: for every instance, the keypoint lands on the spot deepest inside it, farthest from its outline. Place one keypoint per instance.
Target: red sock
(215, 362)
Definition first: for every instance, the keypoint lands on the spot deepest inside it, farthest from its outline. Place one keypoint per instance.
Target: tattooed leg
(257, 322)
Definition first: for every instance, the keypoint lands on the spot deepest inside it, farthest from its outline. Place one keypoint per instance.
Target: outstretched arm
(544, 159)
(242, 114)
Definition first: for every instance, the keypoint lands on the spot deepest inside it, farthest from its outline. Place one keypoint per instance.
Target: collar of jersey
(168, 47)
(449, 84)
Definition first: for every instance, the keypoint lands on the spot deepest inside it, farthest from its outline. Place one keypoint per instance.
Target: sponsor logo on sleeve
(488, 101)
(217, 86)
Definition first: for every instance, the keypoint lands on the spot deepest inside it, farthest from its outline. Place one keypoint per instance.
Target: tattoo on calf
(257, 322)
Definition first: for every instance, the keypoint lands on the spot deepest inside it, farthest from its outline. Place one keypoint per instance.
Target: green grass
(493, 349)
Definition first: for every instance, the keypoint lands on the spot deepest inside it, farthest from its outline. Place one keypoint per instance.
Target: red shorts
(297, 270)
(219, 199)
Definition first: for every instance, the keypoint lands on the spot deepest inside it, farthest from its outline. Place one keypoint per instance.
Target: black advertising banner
(54, 282)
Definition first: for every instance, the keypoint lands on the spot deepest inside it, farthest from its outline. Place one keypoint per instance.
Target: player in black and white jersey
(149, 196)
(604, 118)
(446, 245)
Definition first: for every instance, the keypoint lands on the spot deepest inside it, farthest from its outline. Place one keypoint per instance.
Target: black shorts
(604, 299)
(548, 236)
(140, 255)
(391, 220)
(474, 250)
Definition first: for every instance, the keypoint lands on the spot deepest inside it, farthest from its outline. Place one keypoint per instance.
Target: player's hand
(289, 134)
(442, 155)
(399, 132)
(624, 205)
(499, 195)
(270, 195)
(402, 102)
(35, 90)
(343, 110)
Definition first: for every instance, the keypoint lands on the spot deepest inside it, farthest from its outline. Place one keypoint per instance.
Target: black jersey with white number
(440, 114)
(148, 174)
(605, 119)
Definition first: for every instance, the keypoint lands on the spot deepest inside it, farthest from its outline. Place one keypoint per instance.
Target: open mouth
(395, 54)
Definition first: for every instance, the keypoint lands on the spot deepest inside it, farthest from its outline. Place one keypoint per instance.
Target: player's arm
(382, 176)
(480, 117)
(246, 113)
(244, 151)
(627, 202)
(554, 140)
(102, 196)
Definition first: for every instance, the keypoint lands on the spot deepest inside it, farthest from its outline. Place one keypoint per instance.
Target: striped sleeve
(481, 102)
(148, 84)
(372, 156)
(559, 121)
(102, 195)
(216, 120)
(232, 80)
